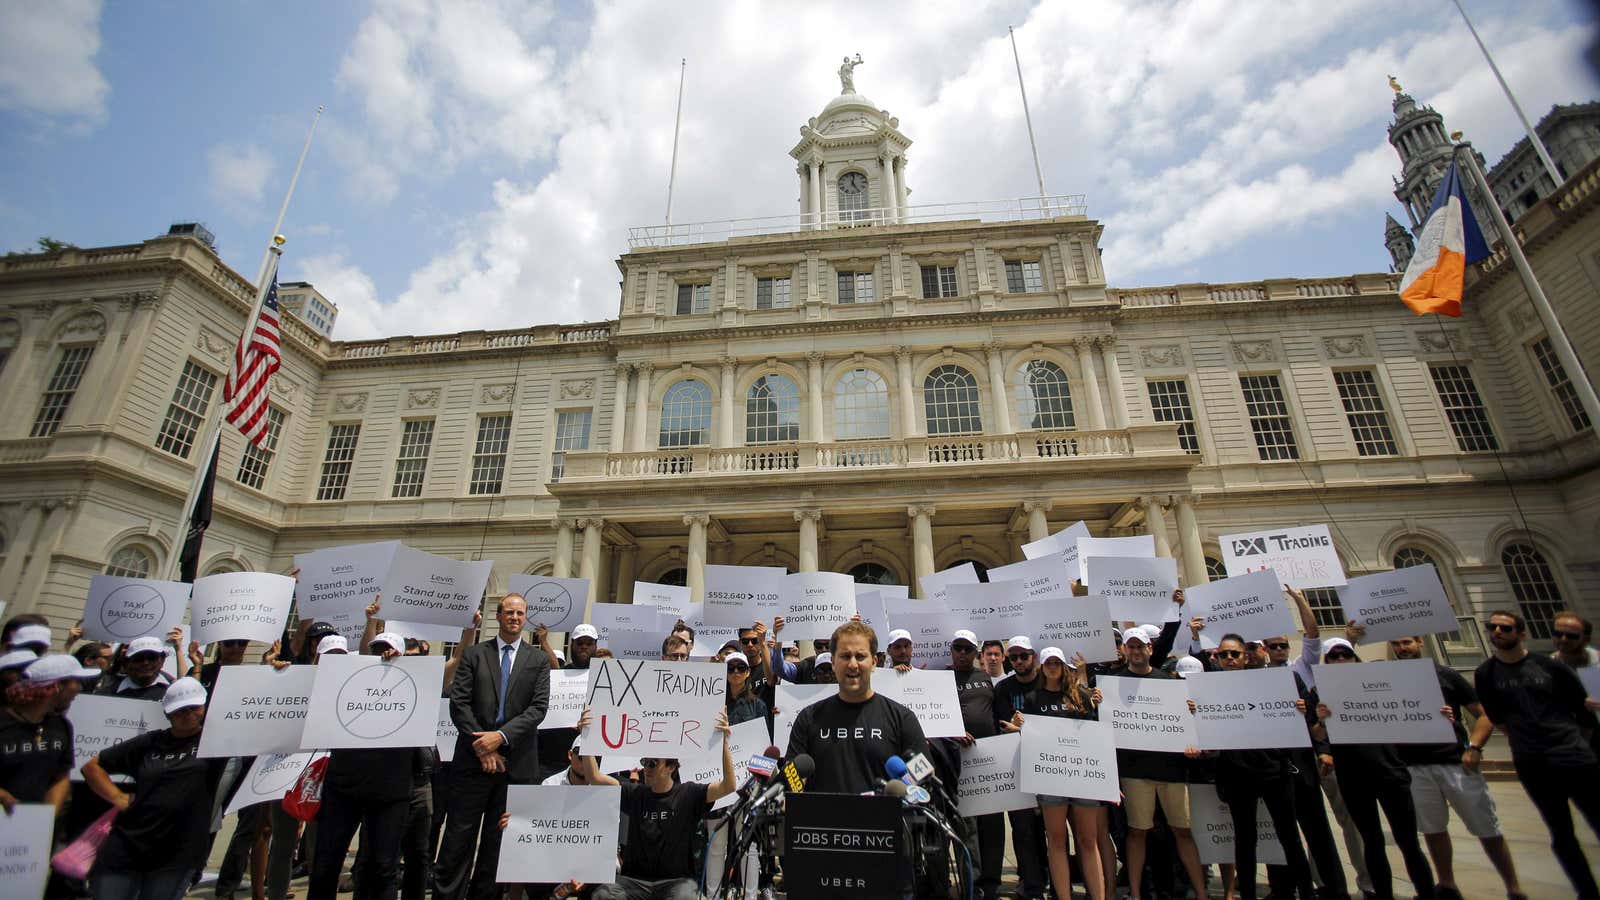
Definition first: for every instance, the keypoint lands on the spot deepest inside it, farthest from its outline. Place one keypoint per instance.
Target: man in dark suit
(497, 700)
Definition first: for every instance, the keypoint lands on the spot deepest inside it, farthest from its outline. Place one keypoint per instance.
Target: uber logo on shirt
(845, 734)
(33, 747)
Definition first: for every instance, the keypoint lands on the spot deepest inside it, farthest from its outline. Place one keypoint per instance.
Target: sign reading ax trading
(653, 707)
(1303, 557)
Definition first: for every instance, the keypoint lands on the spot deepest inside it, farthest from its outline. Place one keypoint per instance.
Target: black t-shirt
(661, 830)
(169, 821)
(1010, 694)
(1457, 694)
(1151, 764)
(850, 742)
(1044, 702)
(33, 757)
(376, 774)
(975, 691)
(1540, 702)
(155, 690)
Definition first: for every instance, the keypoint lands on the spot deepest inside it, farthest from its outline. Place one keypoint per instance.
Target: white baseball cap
(1050, 653)
(17, 659)
(1188, 665)
(1134, 634)
(1331, 644)
(31, 634)
(388, 639)
(184, 693)
(963, 634)
(146, 644)
(1020, 642)
(824, 659)
(586, 631)
(333, 643)
(1151, 632)
(57, 666)
(736, 656)
(898, 635)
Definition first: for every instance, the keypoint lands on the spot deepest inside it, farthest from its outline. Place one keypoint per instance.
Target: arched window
(1534, 586)
(674, 577)
(860, 406)
(950, 399)
(772, 410)
(686, 415)
(1215, 570)
(980, 568)
(130, 562)
(873, 573)
(1044, 396)
(853, 197)
(223, 567)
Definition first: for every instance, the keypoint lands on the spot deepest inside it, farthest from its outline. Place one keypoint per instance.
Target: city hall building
(868, 387)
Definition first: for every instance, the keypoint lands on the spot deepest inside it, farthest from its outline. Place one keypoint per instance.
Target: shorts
(1434, 786)
(1139, 797)
(1056, 800)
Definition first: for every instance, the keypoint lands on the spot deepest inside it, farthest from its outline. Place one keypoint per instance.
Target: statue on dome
(847, 81)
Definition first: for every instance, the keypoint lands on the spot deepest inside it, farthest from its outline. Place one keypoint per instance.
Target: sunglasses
(751, 641)
(1015, 657)
(1278, 645)
(1569, 635)
(963, 648)
(738, 667)
(235, 643)
(1230, 654)
(1500, 628)
(1341, 654)
(651, 763)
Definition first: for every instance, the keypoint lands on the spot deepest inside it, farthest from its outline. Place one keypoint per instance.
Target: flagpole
(1038, 170)
(677, 122)
(1533, 138)
(1541, 304)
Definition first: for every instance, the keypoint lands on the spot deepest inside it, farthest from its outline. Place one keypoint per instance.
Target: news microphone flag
(246, 390)
(1448, 242)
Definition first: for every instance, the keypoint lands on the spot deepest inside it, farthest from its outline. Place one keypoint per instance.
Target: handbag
(77, 858)
(305, 798)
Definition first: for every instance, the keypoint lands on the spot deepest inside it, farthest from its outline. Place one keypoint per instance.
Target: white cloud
(351, 290)
(47, 64)
(238, 174)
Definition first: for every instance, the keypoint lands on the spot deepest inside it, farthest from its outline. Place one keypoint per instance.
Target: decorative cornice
(921, 509)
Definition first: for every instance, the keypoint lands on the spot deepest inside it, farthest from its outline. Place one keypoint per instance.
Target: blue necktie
(505, 679)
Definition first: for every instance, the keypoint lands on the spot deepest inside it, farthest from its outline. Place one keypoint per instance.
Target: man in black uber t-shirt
(976, 693)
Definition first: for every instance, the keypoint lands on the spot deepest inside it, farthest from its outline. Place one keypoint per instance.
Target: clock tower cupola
(851, 161)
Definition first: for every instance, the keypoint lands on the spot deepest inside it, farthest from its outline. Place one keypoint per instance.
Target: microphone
(895, 789)
(921, 769)
(762, 765)
(795, 773)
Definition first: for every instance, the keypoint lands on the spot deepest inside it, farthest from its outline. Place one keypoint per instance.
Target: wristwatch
(1477, 747)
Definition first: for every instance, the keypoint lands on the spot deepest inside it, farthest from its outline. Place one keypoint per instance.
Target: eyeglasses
(1341, 654)
(1278, 645)
(1499, 627)
(1568, 635)
(1230, 654)
(677, 657)
(737, 667)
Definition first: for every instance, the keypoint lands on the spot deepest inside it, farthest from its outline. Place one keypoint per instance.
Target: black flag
(199, 521)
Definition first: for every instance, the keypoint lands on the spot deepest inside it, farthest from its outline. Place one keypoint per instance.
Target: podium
(844, 845)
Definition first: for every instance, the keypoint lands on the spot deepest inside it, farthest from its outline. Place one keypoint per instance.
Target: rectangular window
(772, 293)
(1269, 416)
(938, 281)
(187, 412)
(694, 299)
(855, 287)
(1555, 374)
(572, 433)
(1458, 394)
(255, 462)
(411, 465)
(489, 459)
(1363, 408)
(1023, 277)
(336, 462)
(58, 393)
(1324, 603)
(1169, 402)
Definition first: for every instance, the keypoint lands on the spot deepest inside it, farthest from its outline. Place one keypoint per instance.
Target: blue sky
(481, 161)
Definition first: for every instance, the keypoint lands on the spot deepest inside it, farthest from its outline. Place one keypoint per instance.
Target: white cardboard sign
(1147, 713)
(25, 848)
(1213, 829)
(446, 732)
(569, 688)
(252, 606)
(1249, 709)
(993, 611)
(933, 586)
(1063, 543)
(270, 777)
(1080, 625)
(741, 595)
(555, 603)
(929, 693)
(708, 639)
(609, 617)
(1137, 589)
(428, 589)
(1251, 605)
(815, 603)
(635, 643)
(99, 722)
(1398, 603)
(255, 710)
(870, 607)
(560, 833)
(749, 739)
(670, 598)
(120, 609)
(930, 625)
(1139, 546)
(1392, 701)
(990, 776)
(654, 708)
(788, 700)
(367, 701)
(1042, 577)
(1303, 557)
(338, 582)
(1069, 758)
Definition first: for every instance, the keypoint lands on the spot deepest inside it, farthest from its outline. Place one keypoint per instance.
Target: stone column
(900, 186)
(589, 560)
(908, 400)
(627, 572)
(1038, 525)
(725, 412)
(814, 398)
(921, 542)
(641, 406)
(619, 412)
(816, 194)
(808, 519)
(19, 396)
(21, 545)
(1119, 407)
(697, 523)
(109, 404)
(561, 566)
(997, 388)
(1091, 385)
(1155, 524)
(1193, 555)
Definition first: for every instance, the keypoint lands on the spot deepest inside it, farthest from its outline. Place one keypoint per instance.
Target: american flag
(245, 391)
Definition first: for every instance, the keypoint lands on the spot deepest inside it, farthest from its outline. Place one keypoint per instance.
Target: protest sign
(1042, 578)
(270, 777)
(256, 709)
(1213, 829)
(338, 582)
(991, 611)
(1140, 546)
(635, 643)
(813, 604)
(442, 633)
(1069, 758)
(1250, 605)
(1080, 625)
(1147, 713)
(1302, 557)
(569, 688)
(929, 693)
(1392, 701)
(120, 609)
(427, 589)
(1397, 604)
(708, 639)
(1590, 676)
(1249, 709)
(555, 603)
(654, 708)
(25, 848)
(748, 739)
(1063, 543)
(368, 701)
(1136, 589)
(741, 595)
(560, 833)
(869, 606)
(250, 606)
(608, 617)
(787, 702)
(930, 625)
(989, 776)
(933, 586)
(99, 722)
(892, 591)
(669, 598)
(446, 732)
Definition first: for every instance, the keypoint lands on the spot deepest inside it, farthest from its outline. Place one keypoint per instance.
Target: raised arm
(727, 785)
(371, 629)
(468, 637)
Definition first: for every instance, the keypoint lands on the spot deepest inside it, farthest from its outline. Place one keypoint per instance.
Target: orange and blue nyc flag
(1448, 242)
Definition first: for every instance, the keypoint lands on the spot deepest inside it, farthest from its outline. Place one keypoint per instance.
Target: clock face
(853, 183)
